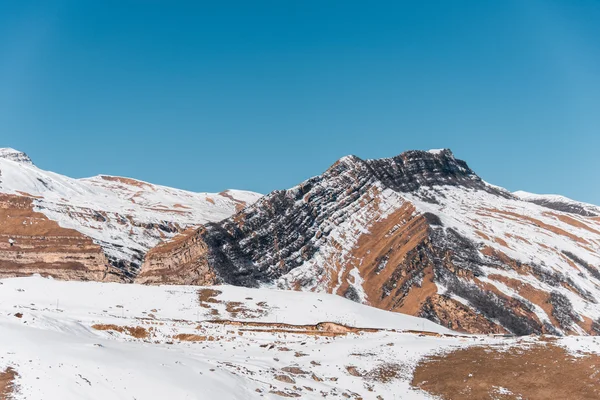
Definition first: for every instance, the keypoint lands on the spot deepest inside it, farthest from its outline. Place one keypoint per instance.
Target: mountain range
(419, 234)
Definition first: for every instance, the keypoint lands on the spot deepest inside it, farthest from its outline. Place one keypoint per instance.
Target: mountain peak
(15, 155)
(413, 169)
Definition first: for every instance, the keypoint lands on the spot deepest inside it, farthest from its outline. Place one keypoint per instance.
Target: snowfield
(91, 340)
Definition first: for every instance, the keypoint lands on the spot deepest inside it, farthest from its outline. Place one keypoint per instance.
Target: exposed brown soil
(206, 295)
(190, 337)
(126, 181)
(539, 372)
(382, 255)
(482, 235)
(537, 222)
(137, 332)
(239, 205)
(322, 328)
(501, 242)
(572, 221)
(7, 383)
(238, 309)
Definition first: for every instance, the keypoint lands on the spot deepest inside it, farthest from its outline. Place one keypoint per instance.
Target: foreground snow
(51, 334)
(58, 355)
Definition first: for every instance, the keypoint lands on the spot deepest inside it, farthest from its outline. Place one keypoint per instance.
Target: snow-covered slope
(90, 340)
(94, 340)
(419, 233)
(126, 217)
(548, 261)
(560, 203)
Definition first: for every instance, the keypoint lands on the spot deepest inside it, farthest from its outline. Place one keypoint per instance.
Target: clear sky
(261, 95)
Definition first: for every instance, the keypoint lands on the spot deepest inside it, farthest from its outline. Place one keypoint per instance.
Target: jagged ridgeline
(419, 233)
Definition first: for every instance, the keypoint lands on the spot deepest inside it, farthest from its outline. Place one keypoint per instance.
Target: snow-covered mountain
(420, 234)
(95, 228)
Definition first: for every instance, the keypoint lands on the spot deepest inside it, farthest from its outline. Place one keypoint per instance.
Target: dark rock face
(411, 170)
(15, 155)
(280, 231)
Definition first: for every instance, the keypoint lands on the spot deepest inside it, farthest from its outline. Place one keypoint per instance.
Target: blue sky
(262, 95)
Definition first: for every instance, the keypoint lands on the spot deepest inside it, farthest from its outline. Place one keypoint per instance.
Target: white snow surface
(48, 337)
(58, 355)
(116, 212)
(436, 151)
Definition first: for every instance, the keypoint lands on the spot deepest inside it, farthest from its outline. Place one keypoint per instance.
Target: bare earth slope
(419, 233)
(93, 228)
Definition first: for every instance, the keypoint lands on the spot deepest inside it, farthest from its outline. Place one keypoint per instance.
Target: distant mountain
(97, 228)
(560, 203)
(419, 233)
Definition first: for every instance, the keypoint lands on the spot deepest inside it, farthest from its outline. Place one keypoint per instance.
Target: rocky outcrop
(419, 233)
(182, 260)
(15, 155)
(30, 243)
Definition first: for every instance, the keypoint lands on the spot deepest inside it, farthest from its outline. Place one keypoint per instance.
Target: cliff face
(182, 261)
(419, 233)
(31, 243)
(104, 223)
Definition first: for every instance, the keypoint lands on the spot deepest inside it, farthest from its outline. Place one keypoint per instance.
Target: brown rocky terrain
(7, 383)
(31, 243)
(487, 372)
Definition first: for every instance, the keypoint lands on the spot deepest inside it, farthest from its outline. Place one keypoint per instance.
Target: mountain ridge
(123, 217)
(418, 233)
